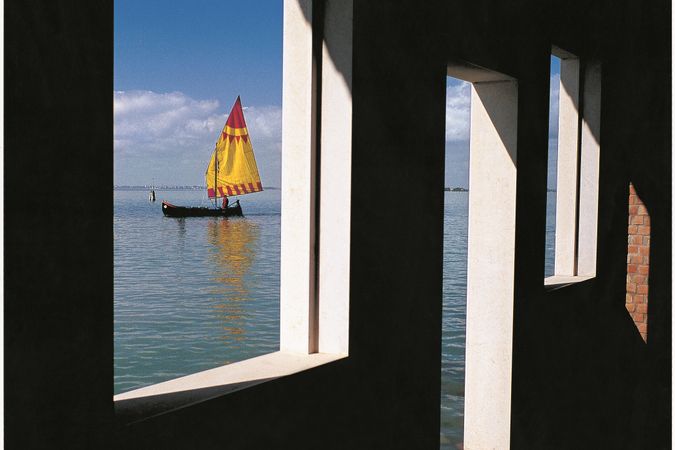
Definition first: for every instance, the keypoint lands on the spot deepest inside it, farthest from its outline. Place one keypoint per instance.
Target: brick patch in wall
(637, 264)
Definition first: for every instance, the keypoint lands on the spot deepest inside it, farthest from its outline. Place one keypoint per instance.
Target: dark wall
(582, 377)
(58, 229)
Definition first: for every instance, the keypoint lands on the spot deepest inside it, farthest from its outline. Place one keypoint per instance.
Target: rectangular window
(313, 323)
(575, 151)
(490, 257)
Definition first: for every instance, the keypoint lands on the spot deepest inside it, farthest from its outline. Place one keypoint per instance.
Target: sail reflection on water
(232, 250)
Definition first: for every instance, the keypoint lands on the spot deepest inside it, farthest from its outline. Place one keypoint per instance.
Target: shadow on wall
(340, 57)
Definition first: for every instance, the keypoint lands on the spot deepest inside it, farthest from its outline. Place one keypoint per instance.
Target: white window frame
(316, 215)
(576, 225)
(490, 255)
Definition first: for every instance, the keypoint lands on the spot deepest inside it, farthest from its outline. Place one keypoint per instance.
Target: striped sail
(237, 171)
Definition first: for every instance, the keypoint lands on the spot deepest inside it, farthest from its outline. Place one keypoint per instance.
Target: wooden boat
(170, 210)
(231, 171)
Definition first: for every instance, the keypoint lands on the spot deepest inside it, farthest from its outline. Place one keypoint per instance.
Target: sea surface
(193, 294)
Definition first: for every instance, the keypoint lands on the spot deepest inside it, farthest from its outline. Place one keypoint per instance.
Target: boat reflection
(232, 250)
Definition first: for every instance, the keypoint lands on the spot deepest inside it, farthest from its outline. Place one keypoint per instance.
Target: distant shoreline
(173, 188)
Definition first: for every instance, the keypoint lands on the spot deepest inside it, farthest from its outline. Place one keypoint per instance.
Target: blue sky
(204, 49)
(179, 65)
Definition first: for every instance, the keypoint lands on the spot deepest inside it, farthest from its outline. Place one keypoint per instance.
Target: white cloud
(457, 112)
(172, 134)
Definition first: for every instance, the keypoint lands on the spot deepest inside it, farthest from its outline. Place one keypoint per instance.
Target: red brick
(642, 210)
(638, 317)
(642, 269)
(633, 249)
(637, 220)
(641, 308)
(645, 260)
(631, 189)
(637, 298)
(638, 279)
(631, 287)
(642, 327)
(647, 220)
(632, 229)
(632, 199)
(635, 259)
(644, 230)
(643, 250)
(632, 268)
(642, 289)
(630, 307)
(632, 210)
(645, 240)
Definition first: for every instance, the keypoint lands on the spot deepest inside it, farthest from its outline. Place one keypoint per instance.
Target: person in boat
(226, 201)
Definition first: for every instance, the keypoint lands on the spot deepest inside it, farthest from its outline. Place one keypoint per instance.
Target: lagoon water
(193, 294)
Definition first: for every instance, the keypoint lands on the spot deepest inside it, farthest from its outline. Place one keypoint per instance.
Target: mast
(215, 176)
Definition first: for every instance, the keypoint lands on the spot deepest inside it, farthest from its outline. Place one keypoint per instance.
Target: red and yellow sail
(232, 169)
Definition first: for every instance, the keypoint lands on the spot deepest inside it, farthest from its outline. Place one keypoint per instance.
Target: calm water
(193, 294)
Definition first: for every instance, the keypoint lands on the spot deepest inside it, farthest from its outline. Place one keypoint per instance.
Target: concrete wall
(581, 375)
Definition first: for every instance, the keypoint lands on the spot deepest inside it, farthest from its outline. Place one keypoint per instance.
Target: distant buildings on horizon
(169, 188)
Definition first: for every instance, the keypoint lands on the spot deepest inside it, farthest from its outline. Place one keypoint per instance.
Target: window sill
(559, 281)
(180, 392)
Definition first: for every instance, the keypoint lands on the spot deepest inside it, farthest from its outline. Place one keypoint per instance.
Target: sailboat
(231, 171)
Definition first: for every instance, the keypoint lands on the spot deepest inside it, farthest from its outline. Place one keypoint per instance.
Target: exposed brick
(635, 259)
(638, 279)
(636, 220)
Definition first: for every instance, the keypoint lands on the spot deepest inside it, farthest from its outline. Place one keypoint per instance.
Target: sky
(179, 66)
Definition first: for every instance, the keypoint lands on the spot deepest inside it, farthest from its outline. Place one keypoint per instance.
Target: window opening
(490, 260)
(573, 168)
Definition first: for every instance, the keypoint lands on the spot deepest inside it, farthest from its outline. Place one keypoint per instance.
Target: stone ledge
(180, 392)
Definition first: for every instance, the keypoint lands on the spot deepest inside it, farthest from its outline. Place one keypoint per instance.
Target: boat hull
(170, 210)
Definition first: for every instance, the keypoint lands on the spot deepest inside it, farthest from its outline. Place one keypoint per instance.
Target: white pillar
(491, 264)
(336, 169)
(590, 172)
(297, 180)
(566, 196)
